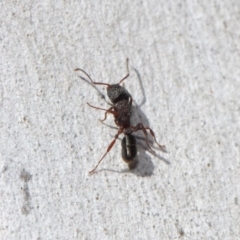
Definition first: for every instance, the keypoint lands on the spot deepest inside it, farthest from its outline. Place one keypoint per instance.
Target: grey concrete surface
(185, 80)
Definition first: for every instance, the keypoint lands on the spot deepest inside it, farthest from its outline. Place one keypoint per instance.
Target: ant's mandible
(121, 110)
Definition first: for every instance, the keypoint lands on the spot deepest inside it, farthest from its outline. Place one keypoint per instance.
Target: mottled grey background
(185, 80)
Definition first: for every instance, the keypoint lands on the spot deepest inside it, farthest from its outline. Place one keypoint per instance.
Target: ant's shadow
(143, 165)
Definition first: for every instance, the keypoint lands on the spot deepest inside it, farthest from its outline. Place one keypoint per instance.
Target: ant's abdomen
(129, 148)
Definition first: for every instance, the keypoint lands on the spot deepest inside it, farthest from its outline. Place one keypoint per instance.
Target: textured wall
(185, 80)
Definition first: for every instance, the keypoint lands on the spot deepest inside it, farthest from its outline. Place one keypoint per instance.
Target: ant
(121, 109)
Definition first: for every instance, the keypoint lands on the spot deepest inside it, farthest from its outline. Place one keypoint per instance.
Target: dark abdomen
(129, 148)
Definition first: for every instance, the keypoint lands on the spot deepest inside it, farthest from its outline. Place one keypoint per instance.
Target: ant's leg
(108, 149)
(102, 120)
(153, 134)
(110, 110)
(141, 127)
(127, 71)
(96, 107)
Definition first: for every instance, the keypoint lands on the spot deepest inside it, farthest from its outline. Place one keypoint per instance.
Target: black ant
(121, 110)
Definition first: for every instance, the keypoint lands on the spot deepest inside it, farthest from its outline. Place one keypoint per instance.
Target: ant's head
(116, 92)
